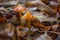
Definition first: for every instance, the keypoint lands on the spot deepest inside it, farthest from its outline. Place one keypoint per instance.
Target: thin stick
(51, 32)
(58, 1)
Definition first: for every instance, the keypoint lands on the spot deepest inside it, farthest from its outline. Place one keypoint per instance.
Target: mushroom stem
(29, 32)
(17, 2)
(20, 14)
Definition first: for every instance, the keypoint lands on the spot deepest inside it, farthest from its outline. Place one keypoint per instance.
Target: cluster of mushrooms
(24, 22)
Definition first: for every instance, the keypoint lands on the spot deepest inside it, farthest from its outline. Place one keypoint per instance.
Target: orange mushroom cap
(19, 8)
(28, 16)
